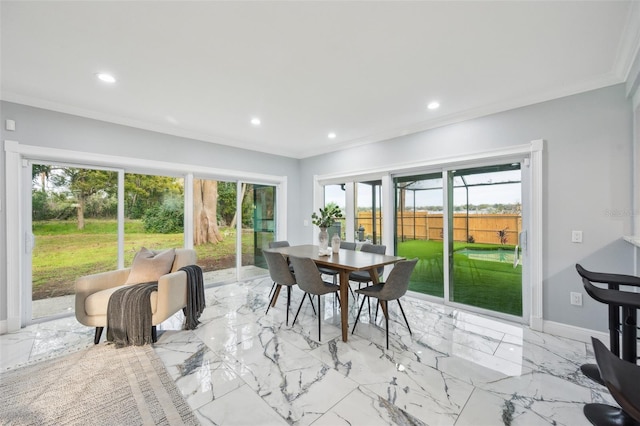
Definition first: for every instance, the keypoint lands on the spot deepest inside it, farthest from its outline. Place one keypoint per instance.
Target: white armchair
(93, 292)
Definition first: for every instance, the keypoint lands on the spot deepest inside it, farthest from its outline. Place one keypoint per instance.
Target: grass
(63, 253)
(486, 284)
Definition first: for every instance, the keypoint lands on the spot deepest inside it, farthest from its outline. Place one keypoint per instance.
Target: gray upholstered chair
(278, 244)
(394, 288)
(310, 281)
(281, 275)
(363, 277)
(622, 378)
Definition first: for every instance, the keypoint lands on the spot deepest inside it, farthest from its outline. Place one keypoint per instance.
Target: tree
(205, 204)
(227, 203)
(83, 183)
(42, 172)
(143, 192)
(243, 190)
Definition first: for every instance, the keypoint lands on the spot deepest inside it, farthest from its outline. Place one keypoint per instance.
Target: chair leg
(386, 323)
(96, 338)
(312, 305)
(405, 317)
(319, 318)
(272, 287)
(300, 307)
(288, 302)
(358, 316)
(154, 334)
(271, 300)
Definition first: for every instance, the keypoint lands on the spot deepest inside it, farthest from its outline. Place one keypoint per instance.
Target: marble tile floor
(242, 367)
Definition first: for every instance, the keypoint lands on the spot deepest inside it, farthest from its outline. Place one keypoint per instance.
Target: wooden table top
(350, 260)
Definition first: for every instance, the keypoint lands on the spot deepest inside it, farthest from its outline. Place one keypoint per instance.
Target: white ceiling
(364, 70)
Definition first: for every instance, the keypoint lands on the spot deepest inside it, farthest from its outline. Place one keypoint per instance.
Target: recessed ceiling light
(331, 135)
(255, 121)
(107, 78)
(433, 105)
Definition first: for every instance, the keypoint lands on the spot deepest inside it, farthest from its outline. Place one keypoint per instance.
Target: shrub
(167, 218)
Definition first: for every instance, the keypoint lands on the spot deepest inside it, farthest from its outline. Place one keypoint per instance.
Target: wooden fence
(482, 228)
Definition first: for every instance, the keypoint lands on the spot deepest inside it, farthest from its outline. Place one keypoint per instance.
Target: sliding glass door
(368, 220)
(419, 229)
(74, 232)
(214, 228)
(480, 218)
(258, 228)
(485, 217)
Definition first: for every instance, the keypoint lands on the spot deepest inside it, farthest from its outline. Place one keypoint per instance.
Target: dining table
(344, 261)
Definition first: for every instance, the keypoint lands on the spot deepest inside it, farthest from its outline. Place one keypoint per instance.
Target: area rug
(101, 385)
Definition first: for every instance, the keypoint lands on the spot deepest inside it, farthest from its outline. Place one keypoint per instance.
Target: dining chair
(311, 282)
(393, 288)
(363, 277)
(278, 244)
(325, 270)
(281, 275)
(622, 378)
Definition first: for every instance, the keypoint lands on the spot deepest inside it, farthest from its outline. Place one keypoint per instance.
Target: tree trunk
(80, 212)
(205, 205)
(243, 189)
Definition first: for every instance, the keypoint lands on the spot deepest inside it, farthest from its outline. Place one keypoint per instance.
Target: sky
(493, 194)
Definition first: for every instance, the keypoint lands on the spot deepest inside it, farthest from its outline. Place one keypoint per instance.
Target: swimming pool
(495, 255)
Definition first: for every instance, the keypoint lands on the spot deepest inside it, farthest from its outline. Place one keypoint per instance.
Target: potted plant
(325, 219)
(327, 216)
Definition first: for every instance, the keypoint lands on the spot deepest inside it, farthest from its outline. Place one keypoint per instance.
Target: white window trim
(16, 244)
(533, 149)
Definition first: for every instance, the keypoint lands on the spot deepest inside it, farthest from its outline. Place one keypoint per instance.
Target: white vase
(335, 243)
(323, 239)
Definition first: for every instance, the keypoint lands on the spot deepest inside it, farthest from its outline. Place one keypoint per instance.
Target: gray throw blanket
(195, 297)
(129, 315)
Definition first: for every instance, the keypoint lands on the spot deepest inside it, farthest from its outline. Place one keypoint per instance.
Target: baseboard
(575, 333)
(3, 327)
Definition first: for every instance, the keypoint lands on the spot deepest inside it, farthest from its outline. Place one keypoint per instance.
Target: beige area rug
(97, 386)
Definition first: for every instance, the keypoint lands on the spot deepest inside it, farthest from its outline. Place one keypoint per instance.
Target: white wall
(587, 182)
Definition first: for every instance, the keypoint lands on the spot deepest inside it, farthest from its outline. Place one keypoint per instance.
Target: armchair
(93, 292)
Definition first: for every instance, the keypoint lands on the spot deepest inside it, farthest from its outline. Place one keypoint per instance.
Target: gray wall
(587, 182)
(45, 128)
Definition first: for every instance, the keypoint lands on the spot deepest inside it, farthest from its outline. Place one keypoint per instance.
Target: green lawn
(63, 253)
(487, 284)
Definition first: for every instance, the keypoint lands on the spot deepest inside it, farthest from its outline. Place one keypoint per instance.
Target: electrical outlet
(576, 236)
(576, 298)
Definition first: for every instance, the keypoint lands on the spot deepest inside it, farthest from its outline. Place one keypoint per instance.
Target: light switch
(576, 236)
(10, 125)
